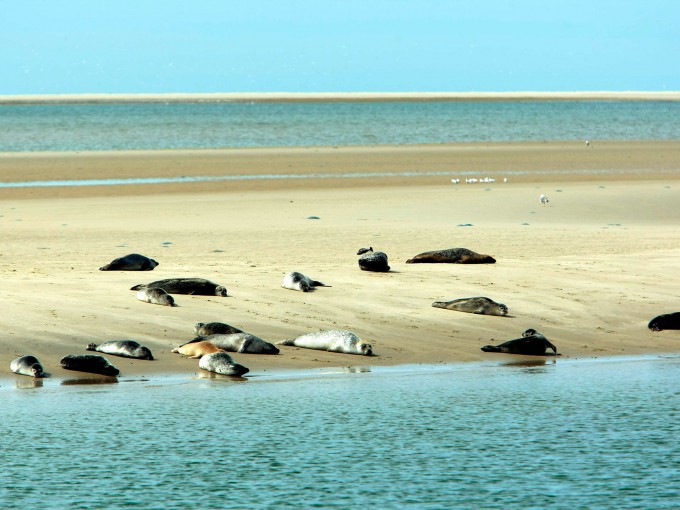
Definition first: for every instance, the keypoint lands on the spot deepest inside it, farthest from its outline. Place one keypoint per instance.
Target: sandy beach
(589, 269)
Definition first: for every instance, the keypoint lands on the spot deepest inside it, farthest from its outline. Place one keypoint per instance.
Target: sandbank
(589, 270)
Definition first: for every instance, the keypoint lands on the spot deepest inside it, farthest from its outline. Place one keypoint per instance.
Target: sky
(203, 46)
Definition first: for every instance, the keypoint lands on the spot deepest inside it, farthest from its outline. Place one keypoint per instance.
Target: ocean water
(68, 127)
(563, 434)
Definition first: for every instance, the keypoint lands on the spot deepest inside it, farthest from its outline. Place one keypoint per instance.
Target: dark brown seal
(665, 321)
(88, 363)
(452, 256)
(373, 261)
(131, 262)
(531, 343)
(195, 286)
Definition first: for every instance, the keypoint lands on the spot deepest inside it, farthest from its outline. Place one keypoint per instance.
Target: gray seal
(479, 305)
(452, 256)
(298, 281)
(215, 328)
(333, 340)
(195, 286)
(239, 342)
(92, 363)
(156, 296)
(221, 363)
(531, 343)
(131, 262)
(665, 321)
(123, 348)
(27, 365)
(373, 261)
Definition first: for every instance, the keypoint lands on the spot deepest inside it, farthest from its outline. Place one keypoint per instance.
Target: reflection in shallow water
(90, 380)
(29, 382)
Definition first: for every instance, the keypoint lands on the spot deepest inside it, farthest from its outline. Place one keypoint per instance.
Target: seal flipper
(286, 342)
(551, 346)
(491, 348)
(319, 284)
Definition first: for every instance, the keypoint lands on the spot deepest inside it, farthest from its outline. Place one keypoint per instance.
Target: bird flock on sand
(213, 341)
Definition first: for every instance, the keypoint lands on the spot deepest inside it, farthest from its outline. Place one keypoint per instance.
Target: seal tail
(320, 284)
(410, 261)
(138, 287)
(286, 342)
(491, 348)
(439, 304)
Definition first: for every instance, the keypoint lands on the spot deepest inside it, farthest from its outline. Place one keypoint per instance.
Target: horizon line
(227, 97)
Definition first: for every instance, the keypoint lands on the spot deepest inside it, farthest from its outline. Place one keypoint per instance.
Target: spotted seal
(532, 343)
(298, 281)
(195, 286)
(373, 261)
(93, 363)
(479, 305)
(27, 365)
(197, 349)
(334, 340)
(221, 363)
(665, 321)
(123, 348)
(131, 262)
(215, 328)
(239, 342)
(452, 256)
(156, 297)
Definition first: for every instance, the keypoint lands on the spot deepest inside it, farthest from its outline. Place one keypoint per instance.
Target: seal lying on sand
(215, 328)
(156, 297)
(373, 261)
(238, 342)
(123, 348)
(195, 286)
(89, 363)
(221, 363)
(480, 305)
(452, 256)
(333, 340)
(532, 343)
(27, 365)
(298, 281)
(197, 349)
(131, 262)
(665, 321)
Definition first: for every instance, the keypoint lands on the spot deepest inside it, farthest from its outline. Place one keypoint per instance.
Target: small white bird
(544, 200)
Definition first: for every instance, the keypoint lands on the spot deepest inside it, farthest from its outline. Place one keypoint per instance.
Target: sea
(550, 433)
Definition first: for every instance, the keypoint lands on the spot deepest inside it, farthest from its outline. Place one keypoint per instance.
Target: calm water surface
(67, 127)
(570, 434)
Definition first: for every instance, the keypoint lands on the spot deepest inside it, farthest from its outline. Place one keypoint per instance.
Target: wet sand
(589, 269)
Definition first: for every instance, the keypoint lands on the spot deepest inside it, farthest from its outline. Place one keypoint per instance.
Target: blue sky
(104, 46)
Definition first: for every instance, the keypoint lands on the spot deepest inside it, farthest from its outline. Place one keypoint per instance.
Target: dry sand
(589, 270)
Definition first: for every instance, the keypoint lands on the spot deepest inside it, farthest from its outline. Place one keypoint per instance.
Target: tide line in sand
(248, 177)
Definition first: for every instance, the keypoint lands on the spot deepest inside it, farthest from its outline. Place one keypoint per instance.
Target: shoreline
(239, 97)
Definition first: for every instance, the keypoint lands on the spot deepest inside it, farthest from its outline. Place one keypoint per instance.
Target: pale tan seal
(333, 340)
(531, 343)
(156, 297)
(221, 363)
(298, 281)
(479, 305)
(197, 349)
(193, 286)
(123, 348)
(27, 365)
(131, 262)
(89, 363)
(452, 256)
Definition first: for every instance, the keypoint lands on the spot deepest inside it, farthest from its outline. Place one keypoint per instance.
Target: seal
(238, 342)
(93, 363)
(665, 321)
(196, 349)
(373, 261)
(333, 340)
(479, 305)
(298, 281)
(131, 262)
(27, 365)
(215, 328)
(531, 343)
(452, 256)
(195, 286)
(156, 296)
(221, 363)
(123, 348)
